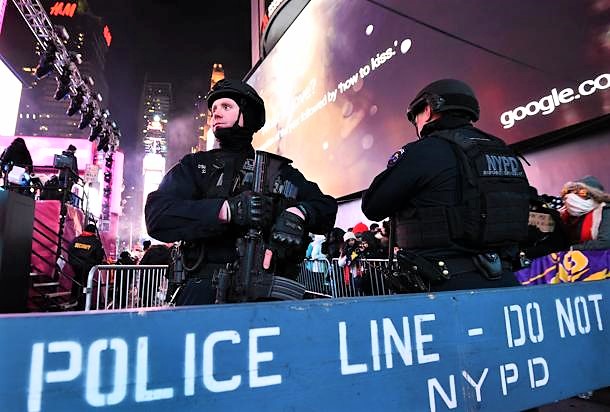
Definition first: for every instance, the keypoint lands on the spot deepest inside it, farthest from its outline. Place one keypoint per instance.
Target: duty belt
(437, 269)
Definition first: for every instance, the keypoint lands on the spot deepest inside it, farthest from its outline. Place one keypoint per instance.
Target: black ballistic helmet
(250, 103)
(445, 95)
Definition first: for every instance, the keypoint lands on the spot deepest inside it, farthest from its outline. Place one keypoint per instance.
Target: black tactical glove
(288, 231)
(251, 209)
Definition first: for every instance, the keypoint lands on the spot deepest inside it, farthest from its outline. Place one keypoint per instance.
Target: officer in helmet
(458, 197)
(205, 200)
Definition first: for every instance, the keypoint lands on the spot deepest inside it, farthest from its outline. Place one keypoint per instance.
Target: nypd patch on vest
(502, 165)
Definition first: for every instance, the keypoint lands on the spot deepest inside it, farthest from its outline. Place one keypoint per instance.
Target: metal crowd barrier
(139, 286)
(126, 286)
(327, 277)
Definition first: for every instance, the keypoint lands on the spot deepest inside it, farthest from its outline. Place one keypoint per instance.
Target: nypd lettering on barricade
(504, 349)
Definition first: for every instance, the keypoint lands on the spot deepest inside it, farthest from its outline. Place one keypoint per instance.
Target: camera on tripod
(61, 161)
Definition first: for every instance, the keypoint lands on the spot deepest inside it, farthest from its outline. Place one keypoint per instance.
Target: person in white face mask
(586, 214)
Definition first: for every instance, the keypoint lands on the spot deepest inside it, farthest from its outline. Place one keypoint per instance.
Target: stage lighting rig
(76, 58)
(97, 125)
(80, 100)
(54, 56)
(52, 52)
(64, 82)
(116, 135)
(87, 115)
(115, 130)
(62, 33)
(47, 60)
(104, 140)
(109, 161)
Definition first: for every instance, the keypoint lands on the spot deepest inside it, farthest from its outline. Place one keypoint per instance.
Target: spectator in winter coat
(586, 214)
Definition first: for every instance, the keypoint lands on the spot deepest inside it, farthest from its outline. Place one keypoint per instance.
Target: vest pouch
(509, 213)
(463, 223)
(429, 228)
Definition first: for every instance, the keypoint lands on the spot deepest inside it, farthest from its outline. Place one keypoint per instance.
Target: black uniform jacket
(86, 250)
(425, 175)
(182, 209)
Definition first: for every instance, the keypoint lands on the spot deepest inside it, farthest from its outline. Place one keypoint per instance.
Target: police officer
(458, 197)
(204, 199)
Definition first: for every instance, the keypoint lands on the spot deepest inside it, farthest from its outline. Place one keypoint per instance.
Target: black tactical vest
(222, 174)
(492, 205)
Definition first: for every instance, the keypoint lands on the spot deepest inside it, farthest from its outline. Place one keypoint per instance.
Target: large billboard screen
(2, 10)
(337, 84)
(10, 87)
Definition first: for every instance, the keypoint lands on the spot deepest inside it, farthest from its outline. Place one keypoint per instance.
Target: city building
(205, 137)
(156, 106)
(157, 98)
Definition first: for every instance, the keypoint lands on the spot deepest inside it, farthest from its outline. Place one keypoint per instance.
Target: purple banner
(567, 267)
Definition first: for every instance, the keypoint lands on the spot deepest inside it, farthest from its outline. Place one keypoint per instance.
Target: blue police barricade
(494, 350)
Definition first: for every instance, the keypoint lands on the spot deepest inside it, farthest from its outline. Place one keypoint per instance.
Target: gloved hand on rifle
(288, 231)
(250, 209)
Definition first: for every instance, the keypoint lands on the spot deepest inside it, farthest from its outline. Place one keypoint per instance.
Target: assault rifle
(247, 280)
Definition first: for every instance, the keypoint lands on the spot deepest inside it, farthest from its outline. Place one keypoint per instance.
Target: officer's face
(422, 118)
(224, 113)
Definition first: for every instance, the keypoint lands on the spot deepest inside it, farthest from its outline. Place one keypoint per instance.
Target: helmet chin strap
(235, 138)
(239, 114)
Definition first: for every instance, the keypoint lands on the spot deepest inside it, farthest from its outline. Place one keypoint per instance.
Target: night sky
(170, 41)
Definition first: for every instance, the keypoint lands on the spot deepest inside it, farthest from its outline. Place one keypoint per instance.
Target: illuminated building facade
(205, 137)
(40, 114)
(268, 24)
(2, 12)
(156, 105)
